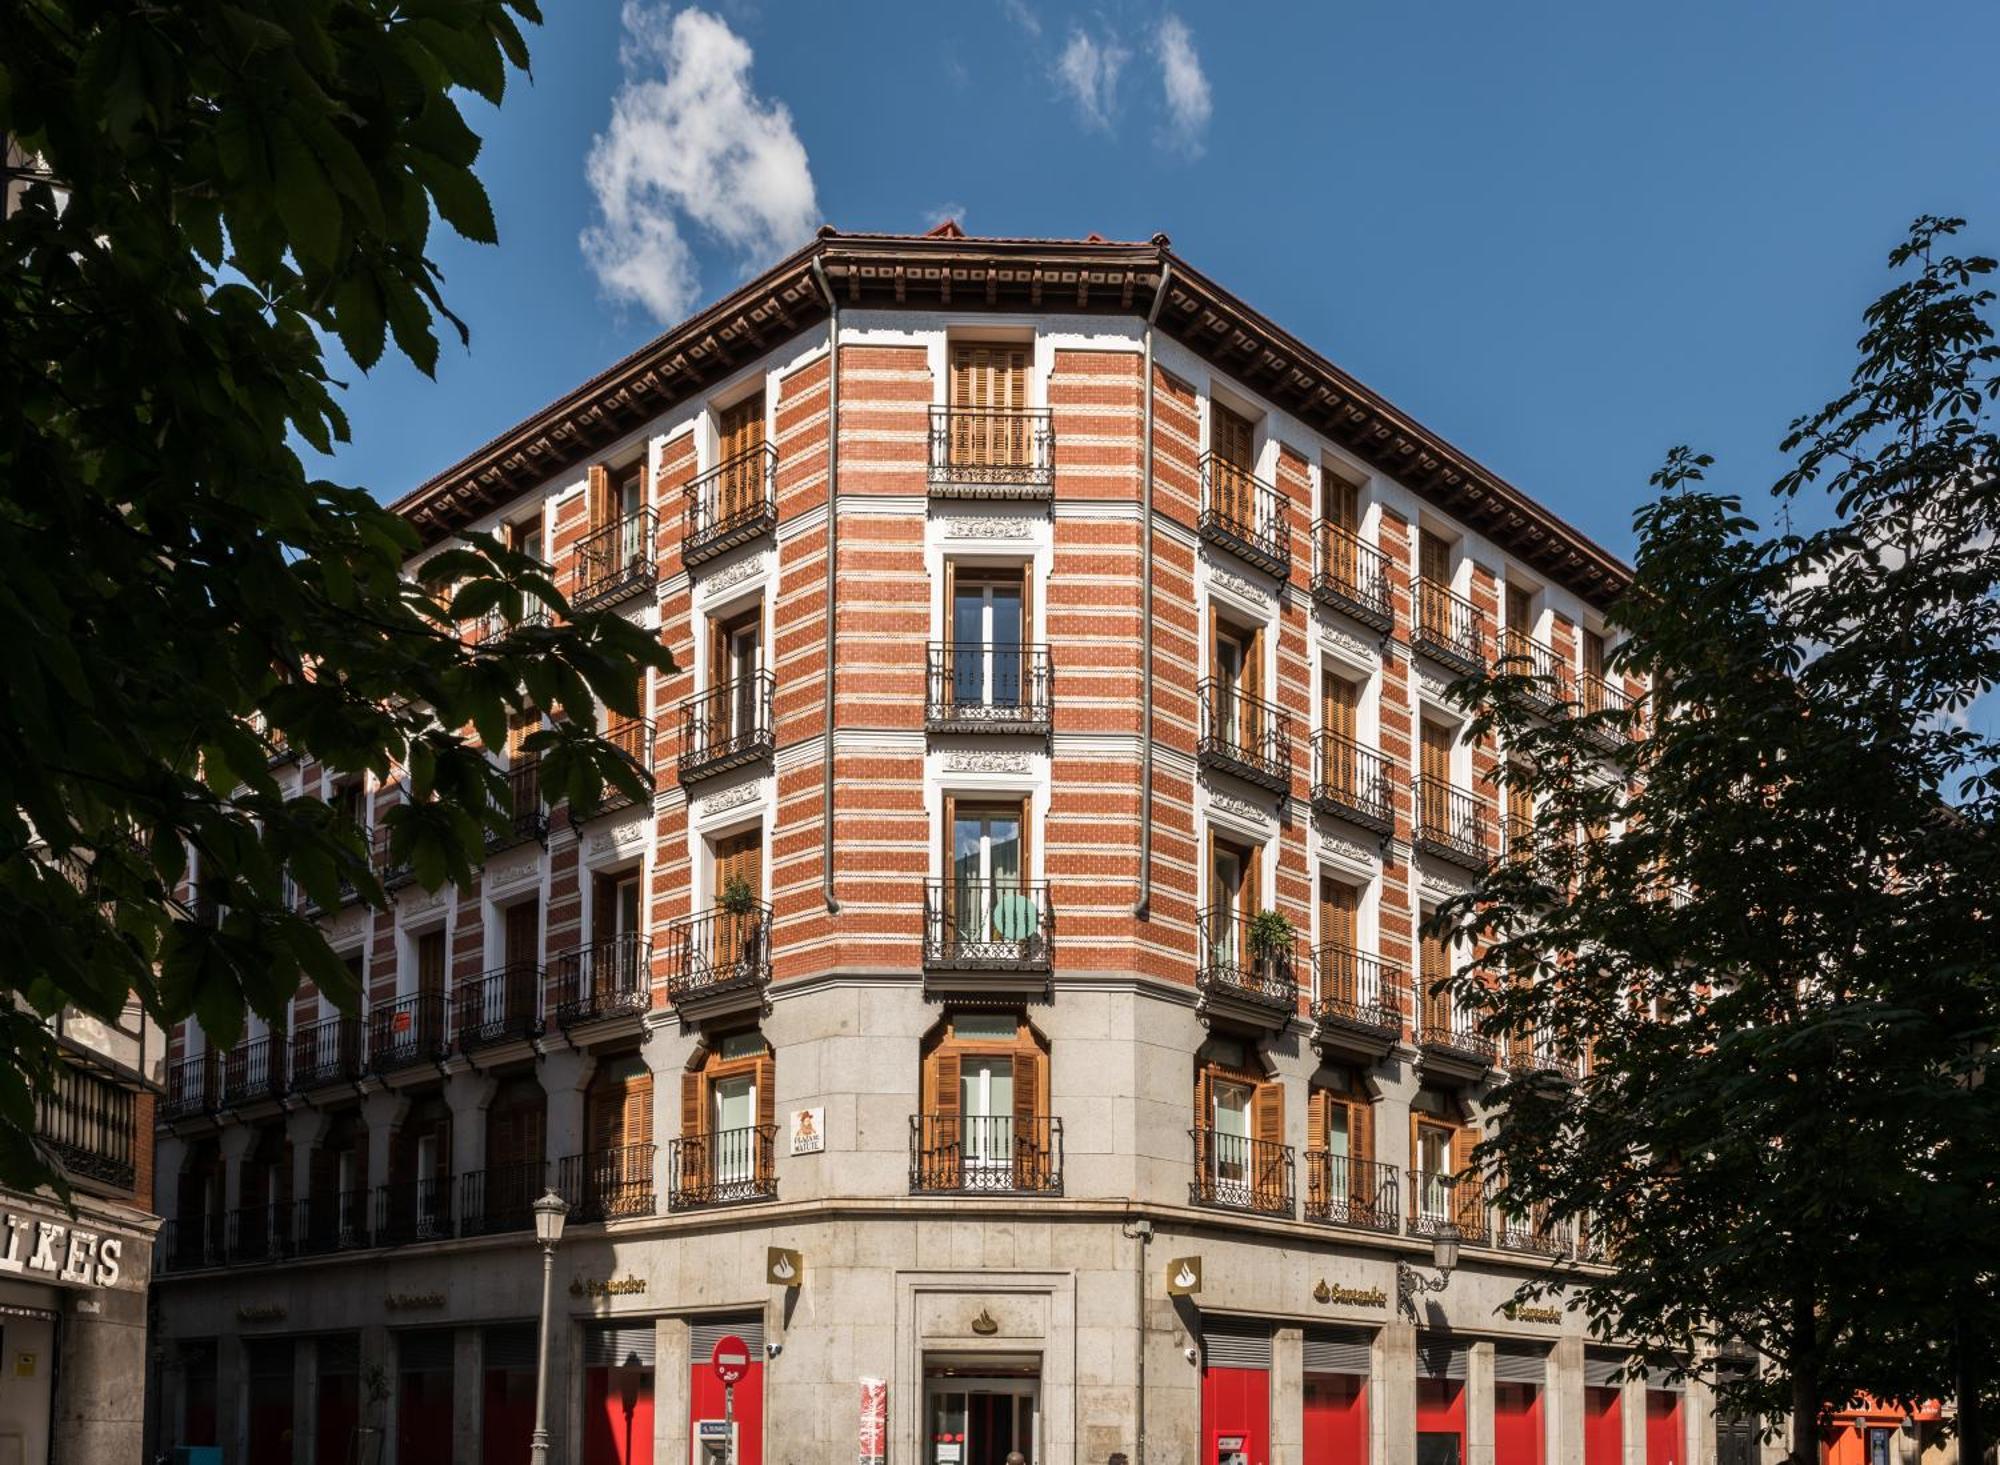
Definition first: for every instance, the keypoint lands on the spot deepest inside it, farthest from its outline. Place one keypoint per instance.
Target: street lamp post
(549, 1213)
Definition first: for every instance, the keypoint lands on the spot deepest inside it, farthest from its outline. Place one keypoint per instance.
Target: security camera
(772, 1350)
(1193, 1355)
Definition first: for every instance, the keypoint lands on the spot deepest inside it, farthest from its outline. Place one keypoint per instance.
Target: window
(990, 423)
(431, 963)
(739, 431)
(736, 655)
(988, 634)
(986, 849)
(726, 1148)
(1339, 702)
(1340, 1125)
(1239, 1137)
(1340, 493)
(1593, 654)
(1231, 438)
(618, 1134)
(617, 495)
(1236, 716)
(1434, 753)
(985, 1124)
(1232, 899)
(1445, 1188)
(1229, 1121)
(1520, 611)
(1434, 558)
(1339, 913)
(614, 904)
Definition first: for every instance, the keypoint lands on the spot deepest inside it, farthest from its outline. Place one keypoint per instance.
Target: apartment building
(1009, 1014)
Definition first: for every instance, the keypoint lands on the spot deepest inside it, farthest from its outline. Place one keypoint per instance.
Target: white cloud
(690, 143)
(1021, 15)
(1189, 104)
(954, 212)
(1088, 69)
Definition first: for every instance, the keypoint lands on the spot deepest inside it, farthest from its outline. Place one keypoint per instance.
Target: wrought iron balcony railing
(1449, 629)
(494, 624)
(391, 871)
(1609, 711)
(1442, 1202)
(992, 452)
(87, 1120)
(718, 951)
(1355, 990)
(522, 817)
(964, 1153)
(602, 979)
(336, 1220)
(615, 561)
(974, 686)
(1452, 824)
(1548, 679)
(327, 1051)
(501, 1197)
(726, 727)
(254, 1070)
(1240, 1173)
(608, 1185)
(408, 1031)
(1540, 1053)
(413, 1210)
(1448, 1030)
(1000, 924)
(259, 1234)
(632, 737)
(1245, 515)
(1353, 782)
(189, 1243)
(498, 1006)
(194, 1086)
(1343, 1191)
(1351, 576)
(727, 1166)
(1245, 735)
(1532, 1232)
(731, 504)
(1228, 957)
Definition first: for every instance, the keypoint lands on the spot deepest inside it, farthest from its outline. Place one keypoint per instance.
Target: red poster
(874, 1421)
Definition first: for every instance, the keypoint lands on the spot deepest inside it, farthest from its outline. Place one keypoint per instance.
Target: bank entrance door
(972, 1419)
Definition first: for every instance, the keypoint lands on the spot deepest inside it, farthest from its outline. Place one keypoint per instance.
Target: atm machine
(715, 1444)
(1229, 1449)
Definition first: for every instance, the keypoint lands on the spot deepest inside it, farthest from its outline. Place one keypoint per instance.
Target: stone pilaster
(1393, 1420)
(1479, 1405)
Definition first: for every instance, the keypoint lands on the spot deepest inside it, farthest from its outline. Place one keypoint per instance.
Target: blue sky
(1565, 236)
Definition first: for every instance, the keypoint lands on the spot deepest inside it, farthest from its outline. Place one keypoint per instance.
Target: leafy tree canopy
(199, 193)
(1765, 926)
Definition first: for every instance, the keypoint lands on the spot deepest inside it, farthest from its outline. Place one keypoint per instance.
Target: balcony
(1244, 515)
(728, 726)
(1357, 1003)
(500, 1006)
(259, 1234)
(407, 1032)
(992, 453)
(335, 1221)
(194, 1086)
(1351, 576)
(187, 1244)
(391, 871)
(601, 980)
(733, 503)
(522, 817)
(719, 962)
(1449, 629)
(413, 1210)
(1352, 783)
(633, 738)
(1533, 1053)
(1441, 1203)
(1450, 1042)
(995, 925)
(1533, 1233)
(86, 1121)
(501, 1198)
(253, 1072)
(494, 626)
(326, 1052)
(987, 687)
(608, 1185)
(1238, 1173)
(725, 1168)
(1546, 679)
(615, 562)
(1609, 712)
(1343, 1191)
(1237, 978)
(1452, 824)
(985, 1154)
(1244, 735)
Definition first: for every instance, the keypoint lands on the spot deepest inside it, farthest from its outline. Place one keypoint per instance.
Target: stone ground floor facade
(989, 1328)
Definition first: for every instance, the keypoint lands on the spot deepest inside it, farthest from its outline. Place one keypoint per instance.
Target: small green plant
(737, 897)
(1271, 933)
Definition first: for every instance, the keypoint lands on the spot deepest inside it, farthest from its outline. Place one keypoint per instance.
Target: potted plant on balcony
(738, 903)
(1271, 937)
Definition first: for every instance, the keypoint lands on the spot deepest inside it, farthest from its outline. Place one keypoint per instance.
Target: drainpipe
(832, 580)
(1145, 900)
(1141, 1233)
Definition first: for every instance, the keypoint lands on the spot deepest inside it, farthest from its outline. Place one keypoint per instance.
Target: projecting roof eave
(882, 271)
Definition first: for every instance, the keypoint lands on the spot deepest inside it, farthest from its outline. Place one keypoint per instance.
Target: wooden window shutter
(1268, 1117)
(430, 963)
(524, 933)
(638, 1108)
(1343, 499)
(693, 1110)
(1435, 751)
(742, 427)
(603, 509)
(1204, 1079)
(1519, 613)
(944, 1137)
(1433, 968)
(1593, 654)
(944, 1090)
(1338, 697)
(1267, 1123)
(765, 1074)
(1338, 904)
(1318, 1103)
(1361, 1133)
(1230, 437)
(1029, 1142)
(1433, 557)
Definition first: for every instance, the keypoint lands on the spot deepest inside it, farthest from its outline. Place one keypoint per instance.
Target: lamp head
(549, 1210)
(1444, 1248)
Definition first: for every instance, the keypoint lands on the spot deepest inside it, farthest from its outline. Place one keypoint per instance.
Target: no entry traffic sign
(731, 1359)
